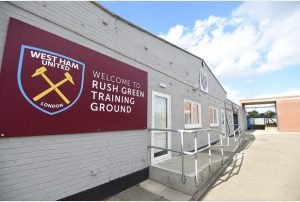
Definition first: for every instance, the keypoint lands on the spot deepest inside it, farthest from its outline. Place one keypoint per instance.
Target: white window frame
(168, 155)
(217, 118)
(199, 125)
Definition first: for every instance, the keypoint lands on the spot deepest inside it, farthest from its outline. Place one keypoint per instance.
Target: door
(161, 119)
(235, 121)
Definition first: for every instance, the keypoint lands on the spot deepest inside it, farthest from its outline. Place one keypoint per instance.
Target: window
(192, 114)
(222, 118)
(213, 116)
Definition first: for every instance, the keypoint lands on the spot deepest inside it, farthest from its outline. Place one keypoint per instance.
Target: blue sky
(252, 47)
(158, 17)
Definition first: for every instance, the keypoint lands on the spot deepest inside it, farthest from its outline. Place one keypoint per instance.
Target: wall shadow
(235, 165)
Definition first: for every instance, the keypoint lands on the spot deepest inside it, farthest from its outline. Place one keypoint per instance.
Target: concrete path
(149, 190)
(267, 169)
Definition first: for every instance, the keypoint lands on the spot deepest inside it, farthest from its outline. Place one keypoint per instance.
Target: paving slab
(152, 186)
(173, 195)
(137, 193)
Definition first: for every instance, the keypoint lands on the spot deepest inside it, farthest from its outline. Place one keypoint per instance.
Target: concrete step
(168, 172)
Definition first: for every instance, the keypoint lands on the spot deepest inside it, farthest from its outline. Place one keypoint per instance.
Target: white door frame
(168, 155)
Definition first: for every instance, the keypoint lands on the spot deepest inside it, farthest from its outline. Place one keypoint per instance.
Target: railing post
(228, 141)
(209, 152)
(196, 160)
(234, 135)
(239, 138)
(182, 158)
(222, 153)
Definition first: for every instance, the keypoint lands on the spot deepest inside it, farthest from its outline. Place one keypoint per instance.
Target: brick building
(91, 158)
(287, 109)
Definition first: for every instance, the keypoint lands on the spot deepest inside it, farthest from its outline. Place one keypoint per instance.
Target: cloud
(258, 37)
(233, 94)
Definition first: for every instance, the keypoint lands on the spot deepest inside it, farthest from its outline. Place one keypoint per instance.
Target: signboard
(50, 85)
(203, 81)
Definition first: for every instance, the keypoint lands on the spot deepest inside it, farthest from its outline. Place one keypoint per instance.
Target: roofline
(155, 36)
(268, 99)
(234, 102)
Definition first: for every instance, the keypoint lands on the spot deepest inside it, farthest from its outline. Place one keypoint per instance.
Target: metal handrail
(195, 131)
(239, 130)
(221, 145)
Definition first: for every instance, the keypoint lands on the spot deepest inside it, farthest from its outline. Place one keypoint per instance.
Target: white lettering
(105, 86)
(101, 107)
(133, 92)
(53, 106)
(112, 98)
(51, 61)
(111, 78)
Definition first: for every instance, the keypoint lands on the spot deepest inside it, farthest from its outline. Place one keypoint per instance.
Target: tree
(253, 113)
(270, 114)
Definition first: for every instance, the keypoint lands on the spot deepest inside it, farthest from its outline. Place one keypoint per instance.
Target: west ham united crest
(49, 81)
(203, 81)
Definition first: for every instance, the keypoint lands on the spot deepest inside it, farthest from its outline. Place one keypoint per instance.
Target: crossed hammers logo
(53, 87)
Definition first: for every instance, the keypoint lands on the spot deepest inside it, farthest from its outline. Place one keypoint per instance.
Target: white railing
(237, 135)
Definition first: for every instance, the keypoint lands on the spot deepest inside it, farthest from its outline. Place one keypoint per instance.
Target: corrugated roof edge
(165, 41)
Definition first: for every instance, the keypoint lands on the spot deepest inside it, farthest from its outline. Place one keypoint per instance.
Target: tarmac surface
(267, 168)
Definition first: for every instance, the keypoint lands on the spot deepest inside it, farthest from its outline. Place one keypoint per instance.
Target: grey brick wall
(52, 167)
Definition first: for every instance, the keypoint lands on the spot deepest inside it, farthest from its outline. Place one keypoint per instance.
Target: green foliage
(270, 114)
(253, 113)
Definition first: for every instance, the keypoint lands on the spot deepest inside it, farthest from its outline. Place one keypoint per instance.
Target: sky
(253, 48)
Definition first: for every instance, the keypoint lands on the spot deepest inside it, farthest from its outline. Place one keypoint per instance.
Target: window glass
(222, 117)
(161, 140)
(210, 116)
(195, 114)
(192, 117)
(213, 116)
(187, 113)
(160, 120)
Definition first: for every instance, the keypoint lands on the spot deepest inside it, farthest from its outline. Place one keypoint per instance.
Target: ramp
(169, 172)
